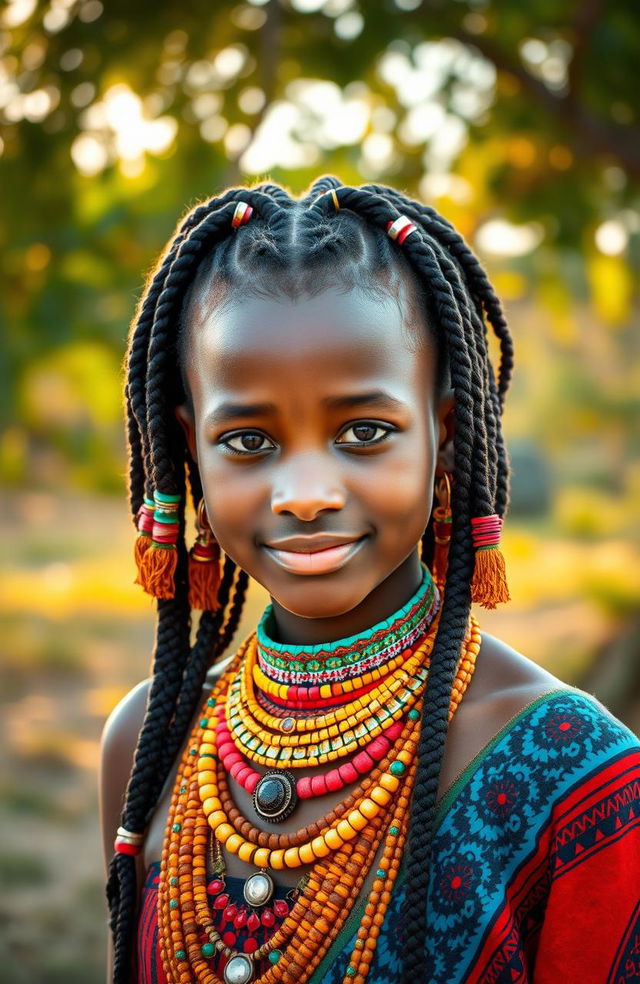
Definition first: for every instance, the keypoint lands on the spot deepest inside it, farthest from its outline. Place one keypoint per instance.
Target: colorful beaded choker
(334, 661)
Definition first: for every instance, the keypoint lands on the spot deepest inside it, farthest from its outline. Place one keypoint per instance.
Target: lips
(315, 554)
(311, 544)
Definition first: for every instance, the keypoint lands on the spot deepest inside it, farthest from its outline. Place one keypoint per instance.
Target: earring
(442, 520)
(204, 565)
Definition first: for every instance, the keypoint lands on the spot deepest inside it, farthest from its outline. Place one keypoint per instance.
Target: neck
(381, 603)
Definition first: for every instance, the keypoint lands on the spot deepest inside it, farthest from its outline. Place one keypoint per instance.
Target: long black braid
(305, 245)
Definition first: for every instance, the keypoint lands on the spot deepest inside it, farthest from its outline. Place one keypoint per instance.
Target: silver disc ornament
(258, 888)
(238, 970)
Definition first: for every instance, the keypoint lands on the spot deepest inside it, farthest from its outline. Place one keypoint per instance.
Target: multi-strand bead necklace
(369, 716)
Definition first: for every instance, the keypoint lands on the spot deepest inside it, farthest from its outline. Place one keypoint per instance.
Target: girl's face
(316, 434)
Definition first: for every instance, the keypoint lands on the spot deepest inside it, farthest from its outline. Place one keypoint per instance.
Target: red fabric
(576, 901)
(596, 860)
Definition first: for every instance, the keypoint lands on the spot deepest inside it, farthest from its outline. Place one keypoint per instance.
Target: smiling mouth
(323, 561)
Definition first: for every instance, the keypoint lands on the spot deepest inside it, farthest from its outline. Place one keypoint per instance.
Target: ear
(446, 431)
(184, 416)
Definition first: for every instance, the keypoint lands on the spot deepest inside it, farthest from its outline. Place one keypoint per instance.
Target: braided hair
(294, 246)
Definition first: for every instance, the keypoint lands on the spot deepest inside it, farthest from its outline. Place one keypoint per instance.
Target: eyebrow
(229, 410)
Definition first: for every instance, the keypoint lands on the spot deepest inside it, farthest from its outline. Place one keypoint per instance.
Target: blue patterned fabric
(488, 829)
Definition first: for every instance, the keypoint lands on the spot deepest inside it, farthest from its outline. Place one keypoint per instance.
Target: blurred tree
(519, 123)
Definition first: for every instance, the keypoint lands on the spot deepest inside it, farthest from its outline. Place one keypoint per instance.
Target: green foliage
(21, 869)
(117, 117)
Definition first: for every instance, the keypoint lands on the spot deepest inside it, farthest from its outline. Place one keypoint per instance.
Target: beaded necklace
(341, 845)
(351, 656)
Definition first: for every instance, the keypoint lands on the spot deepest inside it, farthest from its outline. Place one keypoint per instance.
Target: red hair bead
(401, 228)
(241, 215)
(128, 842)
(486, 530)
(124, 847)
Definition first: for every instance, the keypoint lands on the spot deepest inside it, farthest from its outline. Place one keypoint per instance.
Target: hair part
(261, 268)
(295, 246)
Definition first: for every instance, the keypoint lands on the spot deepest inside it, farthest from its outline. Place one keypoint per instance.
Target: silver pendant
(275, 797)
(238, 969)
(258, 888)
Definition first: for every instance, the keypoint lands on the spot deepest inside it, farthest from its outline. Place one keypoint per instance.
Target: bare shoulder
(504, 682)
(508, 676)
(119, 739)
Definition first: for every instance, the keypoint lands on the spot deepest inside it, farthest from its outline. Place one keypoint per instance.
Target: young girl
(368, 788)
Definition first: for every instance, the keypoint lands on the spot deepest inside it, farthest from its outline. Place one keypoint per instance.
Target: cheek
(401, 493)
(234, 498)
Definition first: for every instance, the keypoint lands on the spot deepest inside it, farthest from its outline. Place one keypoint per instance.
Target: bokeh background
(517, 121)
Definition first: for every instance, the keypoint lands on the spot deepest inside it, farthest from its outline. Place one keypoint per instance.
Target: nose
(307, 485)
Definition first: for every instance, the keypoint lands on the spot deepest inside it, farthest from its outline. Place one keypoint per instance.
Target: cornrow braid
(138, 349)
(477, 279)
(292, 246)
(451, 245)
(157, 461)
(455, 317)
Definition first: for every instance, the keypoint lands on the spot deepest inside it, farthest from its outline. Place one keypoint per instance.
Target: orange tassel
(204, 575)
(140, 547)
(158, 569)
(204, 565)
(489, 582)
(143, 540)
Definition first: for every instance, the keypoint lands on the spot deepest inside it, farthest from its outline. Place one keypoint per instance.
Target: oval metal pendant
(275, 797)
(258, 888)
(238, 970)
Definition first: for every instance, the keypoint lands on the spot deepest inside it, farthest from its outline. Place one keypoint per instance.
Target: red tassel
(204, 574)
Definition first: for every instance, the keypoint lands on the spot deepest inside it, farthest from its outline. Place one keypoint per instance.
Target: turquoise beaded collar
(335, 660)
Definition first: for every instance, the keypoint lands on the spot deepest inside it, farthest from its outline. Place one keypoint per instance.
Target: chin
(312, 600)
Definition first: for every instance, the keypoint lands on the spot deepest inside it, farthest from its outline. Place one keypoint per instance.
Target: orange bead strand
(340, 847)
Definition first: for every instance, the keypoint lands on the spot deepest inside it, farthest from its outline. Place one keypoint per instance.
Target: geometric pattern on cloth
(555, 790)
(627, 964)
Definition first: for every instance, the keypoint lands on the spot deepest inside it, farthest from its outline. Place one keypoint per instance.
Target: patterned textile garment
(536, 870)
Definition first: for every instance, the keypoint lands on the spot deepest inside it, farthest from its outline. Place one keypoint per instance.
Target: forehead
(336, 333)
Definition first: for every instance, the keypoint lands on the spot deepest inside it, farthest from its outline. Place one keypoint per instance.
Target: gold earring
(442, 521)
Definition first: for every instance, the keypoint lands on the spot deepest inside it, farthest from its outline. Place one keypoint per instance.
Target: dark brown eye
(250, 442)
(365, 433)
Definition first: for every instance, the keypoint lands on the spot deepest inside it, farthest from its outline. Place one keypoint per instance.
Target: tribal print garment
(536, 862)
